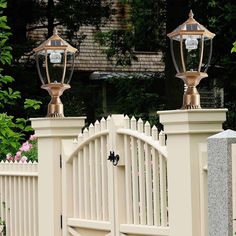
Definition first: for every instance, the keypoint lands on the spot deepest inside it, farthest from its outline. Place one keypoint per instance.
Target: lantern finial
(191, 14)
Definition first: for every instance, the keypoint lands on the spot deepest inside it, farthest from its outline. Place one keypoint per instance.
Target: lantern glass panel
(41, 67)
(192, 50)
(187, 51)
(57, 67)
(206, 55)
(192, 53)
(176, 56)
(197, 53)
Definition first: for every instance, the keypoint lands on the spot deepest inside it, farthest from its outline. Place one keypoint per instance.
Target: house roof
(91, 58)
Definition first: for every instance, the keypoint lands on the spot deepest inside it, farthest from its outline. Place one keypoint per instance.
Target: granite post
(220, 202)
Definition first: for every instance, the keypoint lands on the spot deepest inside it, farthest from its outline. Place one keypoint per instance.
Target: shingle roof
(91, 57)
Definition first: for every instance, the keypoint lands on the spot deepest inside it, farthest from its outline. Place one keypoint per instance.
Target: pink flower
(9, 157)
(25, 147)
(23, 159)
(17, 158)
(18, 154)
(32, 137)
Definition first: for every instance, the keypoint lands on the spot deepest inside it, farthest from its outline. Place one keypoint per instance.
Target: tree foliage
(118, 46)
(12, 129)
(138, 94)
(139, 31)
(217, 15)
(143, 29)
(26, 16)
(74, 14)
(234, 47)
(30, 16)
(220, 17)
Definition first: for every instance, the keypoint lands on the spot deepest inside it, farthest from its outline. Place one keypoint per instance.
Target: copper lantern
(55, 60)
(191, 50)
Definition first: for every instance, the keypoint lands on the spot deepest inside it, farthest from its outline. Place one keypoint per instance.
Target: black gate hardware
(113, 158)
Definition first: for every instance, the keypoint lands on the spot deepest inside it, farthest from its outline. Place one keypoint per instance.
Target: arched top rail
(87, 141)
(121, 125)
(146, 139)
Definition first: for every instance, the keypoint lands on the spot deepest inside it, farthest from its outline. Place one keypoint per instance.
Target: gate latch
(113, 158)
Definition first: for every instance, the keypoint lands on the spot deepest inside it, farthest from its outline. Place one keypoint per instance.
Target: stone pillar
(186, 131)
(220, 203)
(50, 132)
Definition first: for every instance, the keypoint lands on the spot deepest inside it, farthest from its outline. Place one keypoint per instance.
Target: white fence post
(186, 130)
(50, 131)
(220, 202)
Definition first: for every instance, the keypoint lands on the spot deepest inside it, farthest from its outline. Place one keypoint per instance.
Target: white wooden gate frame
(128, 199)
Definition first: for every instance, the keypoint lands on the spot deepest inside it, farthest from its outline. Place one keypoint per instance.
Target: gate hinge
(60, 161)
(61, 222)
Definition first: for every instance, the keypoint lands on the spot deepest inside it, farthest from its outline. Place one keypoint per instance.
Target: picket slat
(11, 200)
(156, 188)
(149, 187)
(98, 180)
(135, 180)
(81, 184)
(15, 205)
(142, 185)
(163, 191)
(86, 185)
(92, 181)
(128, 183)
(75, 187)
(104, 178)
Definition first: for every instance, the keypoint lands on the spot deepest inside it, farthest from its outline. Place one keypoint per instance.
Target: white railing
(19, 198)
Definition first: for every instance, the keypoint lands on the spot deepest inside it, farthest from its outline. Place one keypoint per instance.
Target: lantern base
(55, 110)
(191, 99)
(55, 106)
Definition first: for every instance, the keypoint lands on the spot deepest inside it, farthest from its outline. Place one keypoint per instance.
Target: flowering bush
(27, 152)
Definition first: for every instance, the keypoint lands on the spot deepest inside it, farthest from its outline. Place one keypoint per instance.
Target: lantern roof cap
(191, 27)
(55, 42)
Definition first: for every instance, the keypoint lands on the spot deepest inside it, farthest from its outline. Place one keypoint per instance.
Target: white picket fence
(91, 181)
(19, 198)
(132, 198)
